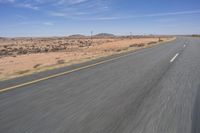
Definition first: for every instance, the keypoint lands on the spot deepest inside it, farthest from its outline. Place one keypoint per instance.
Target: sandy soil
(18, 64)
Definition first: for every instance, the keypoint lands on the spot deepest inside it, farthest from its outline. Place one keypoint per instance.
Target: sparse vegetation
(21, 56)
(140, 45)
(132, 45)
(37, 65)
(22, 72)
(118, 50)
(137, 45)
(61, 61)
(151, 43)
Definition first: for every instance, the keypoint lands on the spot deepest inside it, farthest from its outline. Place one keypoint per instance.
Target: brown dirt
(25, 56)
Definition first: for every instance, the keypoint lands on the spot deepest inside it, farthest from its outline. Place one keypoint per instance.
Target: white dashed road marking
(175, 56)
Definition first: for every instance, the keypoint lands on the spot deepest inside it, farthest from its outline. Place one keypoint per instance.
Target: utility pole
(130, 34)
(91, 37)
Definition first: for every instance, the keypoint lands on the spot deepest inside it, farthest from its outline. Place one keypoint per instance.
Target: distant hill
(104, 35)
(76, 36)
(195, 35)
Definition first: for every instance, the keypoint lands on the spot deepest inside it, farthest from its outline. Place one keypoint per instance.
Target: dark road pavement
(154, 90)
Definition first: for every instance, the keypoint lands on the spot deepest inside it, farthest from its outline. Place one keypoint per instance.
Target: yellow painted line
(68, 72)
(63, 73)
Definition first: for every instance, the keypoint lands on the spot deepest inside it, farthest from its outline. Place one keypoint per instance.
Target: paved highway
(154, 90)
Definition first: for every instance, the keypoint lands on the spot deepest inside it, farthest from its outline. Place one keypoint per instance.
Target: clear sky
(65, 17)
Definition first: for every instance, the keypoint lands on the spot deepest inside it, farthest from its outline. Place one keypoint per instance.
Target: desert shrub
(140, 45)
(24, 51)
(82, 45)
(132, 45)
(151, 43)
(14, 55)
(5, 46)
(61, 61)
(125, 49)
(23, 71)
(59, 42)
(118, 50)
(46, 49)
(3, 52)
(54, 49)
(89, 43)
(37, 65)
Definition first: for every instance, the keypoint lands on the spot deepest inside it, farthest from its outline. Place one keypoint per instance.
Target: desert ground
(22, 56)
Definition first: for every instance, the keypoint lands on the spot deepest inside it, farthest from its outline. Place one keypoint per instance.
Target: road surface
(154, 90)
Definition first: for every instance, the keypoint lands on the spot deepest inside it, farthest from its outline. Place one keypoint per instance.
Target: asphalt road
(154, 90)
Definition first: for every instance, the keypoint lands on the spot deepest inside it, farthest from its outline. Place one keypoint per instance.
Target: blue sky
(65, 17)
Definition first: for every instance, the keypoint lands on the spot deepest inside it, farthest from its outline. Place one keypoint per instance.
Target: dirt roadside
(24, 57)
